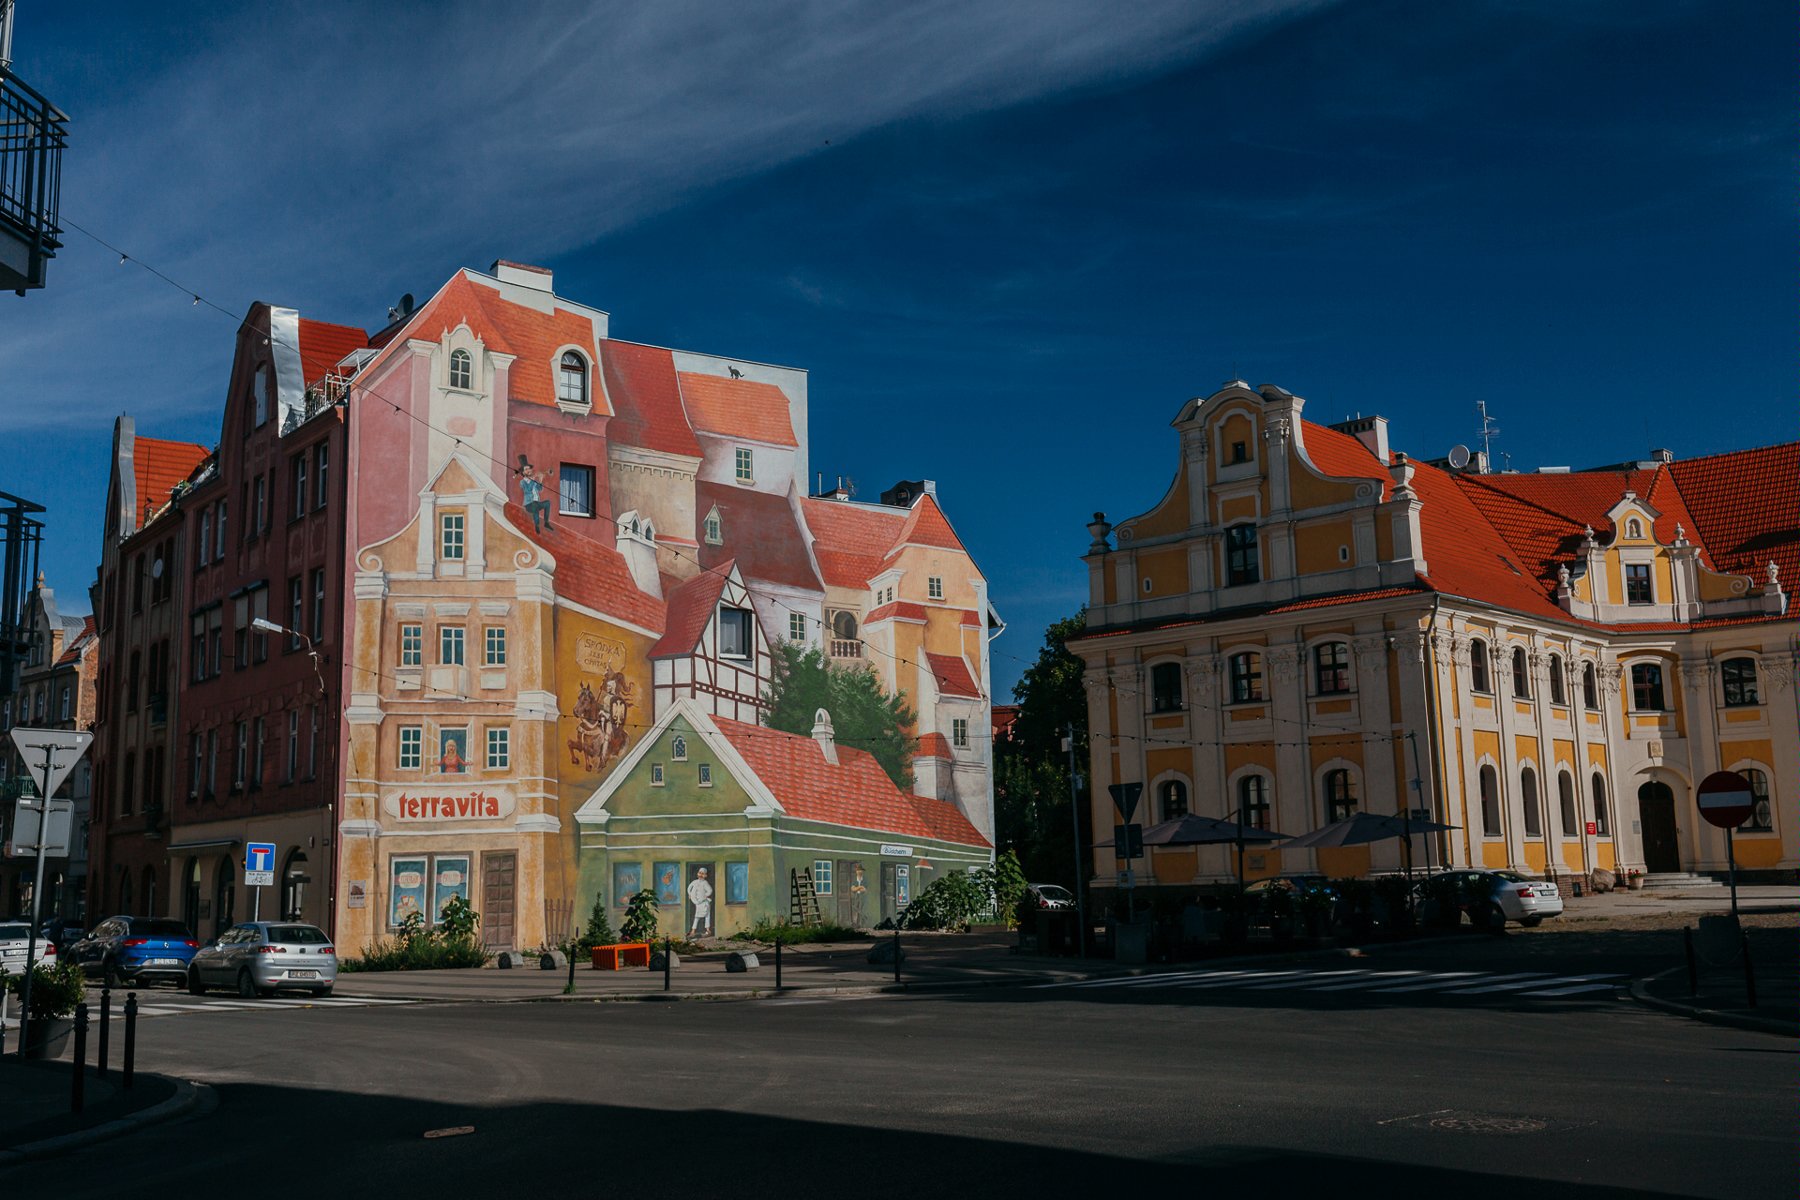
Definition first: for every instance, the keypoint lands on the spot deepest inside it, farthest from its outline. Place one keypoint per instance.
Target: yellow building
(1309, 623)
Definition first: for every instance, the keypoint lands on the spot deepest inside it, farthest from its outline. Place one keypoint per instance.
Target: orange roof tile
(1746, 509)
(903, 610)
(593, 574)
(953, 675)
(739, 408)
(850, 540)
(157, 466)
(646, 399)
(75, 645)
(933, 745)
(760, 533)
(324, 345)
(532, 337)
(1342, 456)
(854, 791)
(690, 610)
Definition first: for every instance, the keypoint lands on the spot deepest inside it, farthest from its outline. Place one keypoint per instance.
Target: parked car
(15, 943)
(1049, 896)
(63, 931)
(1492, 898)
(125, 951)
(261, 957)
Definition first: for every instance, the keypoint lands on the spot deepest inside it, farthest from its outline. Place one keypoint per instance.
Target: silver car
(262, 957)
(15, 942)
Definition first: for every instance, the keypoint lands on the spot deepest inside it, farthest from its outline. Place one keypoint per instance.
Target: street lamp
(264, 625)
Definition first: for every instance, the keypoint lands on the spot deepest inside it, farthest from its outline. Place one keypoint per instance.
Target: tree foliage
(862, 715)
(1031, 767)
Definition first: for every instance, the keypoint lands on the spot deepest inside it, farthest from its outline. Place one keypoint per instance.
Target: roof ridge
(1526, 501)
(1730, 453)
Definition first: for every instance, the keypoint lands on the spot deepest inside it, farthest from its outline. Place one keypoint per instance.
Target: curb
(1640, 991)
(186, 1098)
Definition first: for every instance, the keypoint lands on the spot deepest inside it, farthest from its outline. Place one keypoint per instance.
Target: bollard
(105, 1028)
(130, 1039)
(1749, 970)
(896, 954)
(668, 959)
(78, 1071)
(573, 946)
(778, 962)
(1687, 942)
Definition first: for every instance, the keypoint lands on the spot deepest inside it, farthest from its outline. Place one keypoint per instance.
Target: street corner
(36, 1121)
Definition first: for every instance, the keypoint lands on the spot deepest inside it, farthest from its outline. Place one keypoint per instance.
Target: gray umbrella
(1359, 829)
(1196, 830)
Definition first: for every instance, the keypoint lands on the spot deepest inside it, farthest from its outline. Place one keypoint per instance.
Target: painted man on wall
(700, 895)
(532, 485)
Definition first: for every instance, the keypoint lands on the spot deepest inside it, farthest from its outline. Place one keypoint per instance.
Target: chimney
(1370, 431)
(822, 734)
(538, 279)
(637, 544)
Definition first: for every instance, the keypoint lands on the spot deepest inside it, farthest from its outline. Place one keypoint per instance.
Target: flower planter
(46, 1037)
(1635, 883)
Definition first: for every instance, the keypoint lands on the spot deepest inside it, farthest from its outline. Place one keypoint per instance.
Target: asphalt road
(1276, 1088)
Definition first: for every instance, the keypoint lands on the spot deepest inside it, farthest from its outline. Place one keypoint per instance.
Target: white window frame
(452, 536)
(796, 627)
(463, 379)
(493, 646)
(412, 644)
(657, 778)
(452, 637)
(821, 874)
(703, 774)
(410, 750)
(743, 465)
(566, 473)
(499, 748)
(959, 732)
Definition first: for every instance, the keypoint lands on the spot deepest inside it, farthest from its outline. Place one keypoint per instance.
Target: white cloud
(327, 159)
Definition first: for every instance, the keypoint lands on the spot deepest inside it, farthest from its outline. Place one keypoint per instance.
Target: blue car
(126, 951)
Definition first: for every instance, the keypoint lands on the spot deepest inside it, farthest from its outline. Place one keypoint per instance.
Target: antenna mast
(1489, 431)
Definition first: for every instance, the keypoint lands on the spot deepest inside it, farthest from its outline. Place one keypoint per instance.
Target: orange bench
(621, 955)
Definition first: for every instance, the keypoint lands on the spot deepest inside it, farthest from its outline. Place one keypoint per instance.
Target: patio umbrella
(1196, 830)
(1359, 829)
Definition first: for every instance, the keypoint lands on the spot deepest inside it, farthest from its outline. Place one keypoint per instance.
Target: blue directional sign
(259, 864)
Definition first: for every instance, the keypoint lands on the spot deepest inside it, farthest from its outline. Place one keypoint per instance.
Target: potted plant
(55, 991)
(1634, 879)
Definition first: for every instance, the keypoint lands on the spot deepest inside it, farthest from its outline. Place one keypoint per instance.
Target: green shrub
(639, 924)
(952, 902)
(1010, 886)
(416, 948)
(458, 919)
(55, 989)
(599, 930)
(767, 929)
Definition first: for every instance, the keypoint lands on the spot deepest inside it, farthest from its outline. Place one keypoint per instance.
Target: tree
(862, 715)
(1031, 768)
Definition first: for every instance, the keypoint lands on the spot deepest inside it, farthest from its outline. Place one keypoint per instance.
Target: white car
(1492, 898)
(15, 941)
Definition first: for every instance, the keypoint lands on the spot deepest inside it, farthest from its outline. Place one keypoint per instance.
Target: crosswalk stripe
(1573, 991)
(1288, 983)
(1253, 977)
(1373, 979)
(1442, 980)
(1486, 989)
(1143, 980)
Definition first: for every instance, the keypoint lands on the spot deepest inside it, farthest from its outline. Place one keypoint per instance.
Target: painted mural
(700, 901)
(534, 491)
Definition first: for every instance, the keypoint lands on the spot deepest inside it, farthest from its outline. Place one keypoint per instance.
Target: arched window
(1331, 668)
(462, 370)
(1241, 564)
(1557, 693)
(1253, 801)
(1478, 667)
(294, 879)
(1590, 686)
(1602, 826)
(1490, 803)
(1340, 795)
(263, 395)
(1521, 673)
(1565, 795)
(843, 626)
(572, 379)
(148, 890)
(1761, 819)
(190, 895)
(1246, 677)
(1528, 800)
(1165, 687)
(1647, 687)
(1173, 796)
(1740, 682)
(124, 905)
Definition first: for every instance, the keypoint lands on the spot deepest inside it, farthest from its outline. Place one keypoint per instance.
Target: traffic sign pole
(1731, 859)
(37, 903)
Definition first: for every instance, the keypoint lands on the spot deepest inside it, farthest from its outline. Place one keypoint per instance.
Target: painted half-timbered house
(713, 650)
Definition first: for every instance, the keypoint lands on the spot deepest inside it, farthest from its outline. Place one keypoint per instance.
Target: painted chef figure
(700, 894)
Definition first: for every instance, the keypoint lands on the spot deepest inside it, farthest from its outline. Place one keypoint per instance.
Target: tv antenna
(1489, 431)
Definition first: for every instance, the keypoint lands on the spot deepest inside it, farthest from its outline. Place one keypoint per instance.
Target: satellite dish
(1459, 456)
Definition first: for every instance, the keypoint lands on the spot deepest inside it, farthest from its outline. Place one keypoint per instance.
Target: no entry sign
(1725, 800)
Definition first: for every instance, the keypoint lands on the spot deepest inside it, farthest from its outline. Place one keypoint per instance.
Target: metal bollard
(1687, 942)
(778, 962)
(130, 1039)
(1749, 970)
(896, 954)
(78, 1068)
(573, 946)
(668, 959)
(105, 1029)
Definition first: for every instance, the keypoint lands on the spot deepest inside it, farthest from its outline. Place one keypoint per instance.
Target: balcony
(33, 132)
(846, 648)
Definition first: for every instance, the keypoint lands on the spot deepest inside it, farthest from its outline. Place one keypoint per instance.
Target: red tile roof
(933, 745)
(73, 647)
(532, 337)
(1342, 456)
(1004, 716)
(854, 791)
(646, 399)
(904, 610)
(324, 345)
(1745, 509)
(850, 540)
(157, 466)
(925, 525)
(593, 574)
(739, 408)
(953, 675)
(760, 533)
(690, 610)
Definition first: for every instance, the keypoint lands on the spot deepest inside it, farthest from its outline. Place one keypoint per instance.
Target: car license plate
(303, 974)
(165, 962)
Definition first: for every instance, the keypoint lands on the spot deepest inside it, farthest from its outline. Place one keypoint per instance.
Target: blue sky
(1007, 240)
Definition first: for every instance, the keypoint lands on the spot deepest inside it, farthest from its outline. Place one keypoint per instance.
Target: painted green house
(720, 818)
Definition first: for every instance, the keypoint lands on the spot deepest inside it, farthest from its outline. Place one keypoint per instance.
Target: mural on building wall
(408, 890)
(627, 881)
(700, 901)
(668, 883)
(602, 708)
(534, 490)
(453, 750)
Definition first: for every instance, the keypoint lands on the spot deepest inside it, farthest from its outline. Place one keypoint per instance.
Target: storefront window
(668, 883)
(407, 893)
(627, 881)
(450, 880)
(737, 883)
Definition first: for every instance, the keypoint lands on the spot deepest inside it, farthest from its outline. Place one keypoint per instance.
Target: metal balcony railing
(33, 132)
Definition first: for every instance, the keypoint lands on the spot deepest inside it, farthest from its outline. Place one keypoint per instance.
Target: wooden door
(499, 880)
(1656, 809)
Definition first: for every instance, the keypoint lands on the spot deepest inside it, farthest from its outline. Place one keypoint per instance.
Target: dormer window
(734, 633)
(572, 380)
(1638, 589)
(714, 528)
(462, 370)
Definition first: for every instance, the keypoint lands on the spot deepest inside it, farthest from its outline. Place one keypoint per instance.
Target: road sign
(1128, 841)
(1725, 799)
(259, 864)
(50, 754)
(26, 822)
(1125, 798)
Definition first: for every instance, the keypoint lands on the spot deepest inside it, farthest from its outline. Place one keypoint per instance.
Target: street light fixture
(264, 625)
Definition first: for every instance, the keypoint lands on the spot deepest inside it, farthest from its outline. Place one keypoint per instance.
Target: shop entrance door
(1656, 809)
(499, 887)
(890, 891)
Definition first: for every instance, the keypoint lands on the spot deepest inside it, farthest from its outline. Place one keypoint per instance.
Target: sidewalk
(34, 1107)
(1723, 998)
(1751, 898)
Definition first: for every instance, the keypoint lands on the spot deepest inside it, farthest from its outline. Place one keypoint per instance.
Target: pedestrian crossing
(1355, 981)
(188, 1006)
